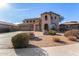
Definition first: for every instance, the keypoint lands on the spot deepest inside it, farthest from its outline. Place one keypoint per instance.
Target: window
(55, 17)
(27, 21)
(51, 17)
(46, 17)
(33, 20)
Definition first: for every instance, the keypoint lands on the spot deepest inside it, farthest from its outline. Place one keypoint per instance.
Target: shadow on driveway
(31, 50)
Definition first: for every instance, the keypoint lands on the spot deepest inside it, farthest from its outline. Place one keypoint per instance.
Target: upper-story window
(46, 17)
(51, 17)
(33, 20)
(27, 21)
(30, 21)
(55, 17)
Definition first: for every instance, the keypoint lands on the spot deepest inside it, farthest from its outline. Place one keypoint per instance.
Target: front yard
(45, 46)
(40, 41)
(48, 40)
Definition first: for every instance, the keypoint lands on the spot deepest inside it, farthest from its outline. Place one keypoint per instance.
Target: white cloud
(3, 20)
(18, 23)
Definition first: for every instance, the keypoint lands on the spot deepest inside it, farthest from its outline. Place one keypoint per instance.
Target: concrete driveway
(7, 50)
(67, 50)
(5, 39)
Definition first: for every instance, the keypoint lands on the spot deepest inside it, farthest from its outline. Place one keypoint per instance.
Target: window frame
(46, 17)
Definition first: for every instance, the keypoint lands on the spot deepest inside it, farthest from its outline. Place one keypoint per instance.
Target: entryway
(46, 27)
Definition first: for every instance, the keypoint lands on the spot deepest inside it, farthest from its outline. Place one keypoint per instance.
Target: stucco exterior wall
(31, 25)
(55, 21)
(50, 21)
(38, 24)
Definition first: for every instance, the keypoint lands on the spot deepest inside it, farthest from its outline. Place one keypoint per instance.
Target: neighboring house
(4, 26)
(62, 28)
(47, 21)
(69, 25)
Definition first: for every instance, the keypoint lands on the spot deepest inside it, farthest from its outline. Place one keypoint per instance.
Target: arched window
(46, 17)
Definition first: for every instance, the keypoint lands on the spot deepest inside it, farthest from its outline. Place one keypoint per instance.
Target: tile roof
(50, 13)
(5, 23)
(31, 19)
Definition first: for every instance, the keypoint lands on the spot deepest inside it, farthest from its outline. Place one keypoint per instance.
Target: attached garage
(4, 26)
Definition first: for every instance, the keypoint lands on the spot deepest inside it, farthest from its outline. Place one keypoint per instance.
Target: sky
(17, 12)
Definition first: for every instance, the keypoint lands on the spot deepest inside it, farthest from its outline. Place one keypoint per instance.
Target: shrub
(72, 38)
(56, 39)
(20, 40)
(72, 33)
(52, 32)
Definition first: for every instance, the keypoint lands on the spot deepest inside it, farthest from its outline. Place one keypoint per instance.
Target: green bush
(20, 40)
(72, 33)
(52, 32)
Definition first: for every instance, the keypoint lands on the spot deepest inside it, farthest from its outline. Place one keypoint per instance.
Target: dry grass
(72, 38)
(48, 40)
(58, 40)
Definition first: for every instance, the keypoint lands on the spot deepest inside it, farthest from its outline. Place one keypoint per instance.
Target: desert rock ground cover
(40, 41)
(48, 40)
(44, 46)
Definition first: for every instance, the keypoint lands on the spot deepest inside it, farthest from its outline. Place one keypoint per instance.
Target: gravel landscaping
(43, 47)
(40, 40)
(47, 40)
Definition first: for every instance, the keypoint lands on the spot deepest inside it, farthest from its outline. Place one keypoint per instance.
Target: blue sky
(16, 12)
